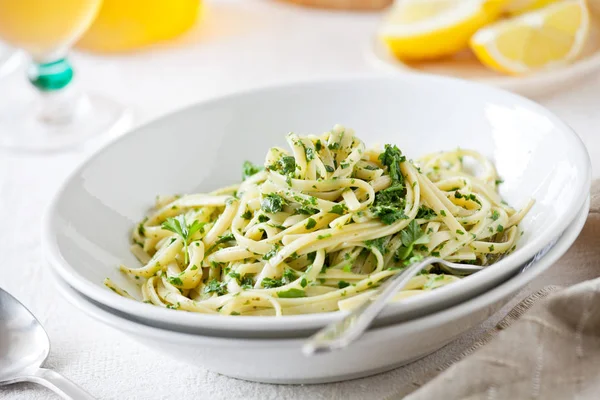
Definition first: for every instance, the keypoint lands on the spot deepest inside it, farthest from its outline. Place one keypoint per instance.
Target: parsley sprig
(410, 236)
(389, 203)
(179, 226)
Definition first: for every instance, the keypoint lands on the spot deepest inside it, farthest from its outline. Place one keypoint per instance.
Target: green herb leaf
(174, 280)
(425, 213)
(338, 209)
(343, 284)
(495, 215)
(389, 203)
(378, 244)
(214, 286)
(309, 153)
(287, 164)
(247, 215)
(269, 283)
(271, 253)
(410, 236)
(392, 157)
(250, 169)
(179, 226)
(310, 223)
(272, 203)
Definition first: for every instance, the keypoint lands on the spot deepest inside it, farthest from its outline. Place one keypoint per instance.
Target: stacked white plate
(201, 148)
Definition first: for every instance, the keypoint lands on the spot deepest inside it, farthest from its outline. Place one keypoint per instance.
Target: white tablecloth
(241, 44)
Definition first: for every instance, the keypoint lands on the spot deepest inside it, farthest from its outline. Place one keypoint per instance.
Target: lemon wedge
(543, 39)
(428, 29)
(516, 7)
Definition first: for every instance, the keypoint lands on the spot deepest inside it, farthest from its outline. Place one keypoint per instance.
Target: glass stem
(59, 102)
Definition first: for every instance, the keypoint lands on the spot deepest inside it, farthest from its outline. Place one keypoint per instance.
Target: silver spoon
(24, 346)
(341, 333)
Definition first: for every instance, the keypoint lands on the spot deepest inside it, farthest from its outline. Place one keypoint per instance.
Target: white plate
(86, 229)
(466, 66)
(281, 360)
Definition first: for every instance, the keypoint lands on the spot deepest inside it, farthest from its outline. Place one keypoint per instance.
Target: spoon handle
(59, 384)
(341, 333)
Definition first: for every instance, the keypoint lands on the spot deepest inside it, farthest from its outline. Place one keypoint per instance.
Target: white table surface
(240, 44)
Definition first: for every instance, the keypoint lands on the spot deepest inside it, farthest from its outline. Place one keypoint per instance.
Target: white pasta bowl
(282, 361)
(201, 148)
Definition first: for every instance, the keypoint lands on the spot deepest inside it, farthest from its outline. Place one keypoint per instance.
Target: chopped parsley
(410, 236)
(174, 280)
(324, 236)
(377, 243)
(214, 286)
(495, 215)
(500, 228)
(338, 209)
(272, 203)
(288, 277)
(249, 169)
(343, 284)
(425, 213)
(247, 214)
(287, 165)
(269, 283)
(310, 223)
(271, 253)
(389, 203)
(309, 153)
(141, 228)
(305, 210)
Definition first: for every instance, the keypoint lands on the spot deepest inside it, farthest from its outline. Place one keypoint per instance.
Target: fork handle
(341, 333)
(59, 384)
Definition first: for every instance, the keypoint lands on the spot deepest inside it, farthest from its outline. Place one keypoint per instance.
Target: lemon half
(428, 29)
(543, 39)
(516, 7)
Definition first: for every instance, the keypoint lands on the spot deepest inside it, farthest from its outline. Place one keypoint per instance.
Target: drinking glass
(55, 115)
(9, 60)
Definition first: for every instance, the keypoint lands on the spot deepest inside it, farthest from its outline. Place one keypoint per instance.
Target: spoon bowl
(24, 346)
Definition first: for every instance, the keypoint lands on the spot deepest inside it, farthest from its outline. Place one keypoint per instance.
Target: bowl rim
(507, 288)
(52, 253)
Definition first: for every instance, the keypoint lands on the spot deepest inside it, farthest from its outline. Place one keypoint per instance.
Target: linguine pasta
(319, 227)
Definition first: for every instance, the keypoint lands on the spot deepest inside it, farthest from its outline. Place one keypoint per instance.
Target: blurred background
(139, 59)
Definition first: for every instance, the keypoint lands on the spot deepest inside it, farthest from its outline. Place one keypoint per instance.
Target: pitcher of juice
(132, 24)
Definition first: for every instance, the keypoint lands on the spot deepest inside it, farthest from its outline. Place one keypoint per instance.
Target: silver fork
(341, 333)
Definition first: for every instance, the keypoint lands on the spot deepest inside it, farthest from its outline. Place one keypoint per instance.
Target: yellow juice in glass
(45, 28)
(123, 25)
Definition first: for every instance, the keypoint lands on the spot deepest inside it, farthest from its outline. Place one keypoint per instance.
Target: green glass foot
(51, 76)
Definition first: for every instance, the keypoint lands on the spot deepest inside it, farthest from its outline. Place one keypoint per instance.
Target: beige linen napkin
(543, 349)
